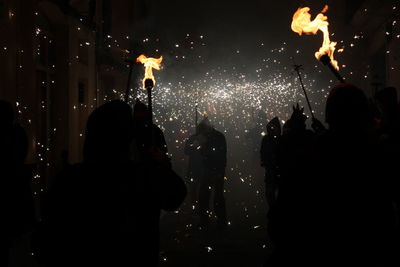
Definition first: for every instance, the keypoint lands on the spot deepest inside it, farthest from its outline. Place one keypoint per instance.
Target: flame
(149, 64)
(302, 23)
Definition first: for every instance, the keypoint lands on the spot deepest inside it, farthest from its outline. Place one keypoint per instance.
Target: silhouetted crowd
(17, 206)
(333, 192)
(102, 211)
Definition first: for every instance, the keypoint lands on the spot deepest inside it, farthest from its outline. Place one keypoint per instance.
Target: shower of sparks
(228, 104)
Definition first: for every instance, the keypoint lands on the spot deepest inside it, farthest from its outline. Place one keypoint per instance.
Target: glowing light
(302, 23)
(149, 64)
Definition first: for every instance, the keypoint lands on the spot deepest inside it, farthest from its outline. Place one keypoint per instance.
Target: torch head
(148, 84)
(325, 59)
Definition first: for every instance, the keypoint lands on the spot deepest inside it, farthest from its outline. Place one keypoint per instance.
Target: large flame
(149, 64)
(302, 23)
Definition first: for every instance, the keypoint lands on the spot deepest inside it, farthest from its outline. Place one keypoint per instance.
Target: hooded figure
(195, 168)
(212, 147)
(268, 153)
(333, 207)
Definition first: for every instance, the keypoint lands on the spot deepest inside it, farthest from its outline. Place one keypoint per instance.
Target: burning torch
(326, 60)
(302, 23)
(148, 80)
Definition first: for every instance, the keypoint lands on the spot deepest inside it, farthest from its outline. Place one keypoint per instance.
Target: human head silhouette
(204, 127)
(347, 108)
(297, 121)
(274, 127)
(109, 132)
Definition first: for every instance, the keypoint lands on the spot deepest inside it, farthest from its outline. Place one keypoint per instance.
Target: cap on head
(274, 126)
(204, 126)
(109, 131)
(140, 109)
(347, 107)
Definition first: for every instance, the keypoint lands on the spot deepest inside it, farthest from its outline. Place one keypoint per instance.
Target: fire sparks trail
(149, 64)
(219, 101)
(302, 23)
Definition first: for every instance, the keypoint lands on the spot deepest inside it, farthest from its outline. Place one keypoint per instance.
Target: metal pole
(150, 105)
(297, 69)
(149, 84)
(129, 80)
(196, 116)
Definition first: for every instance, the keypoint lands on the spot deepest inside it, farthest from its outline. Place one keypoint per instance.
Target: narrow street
(243, 243)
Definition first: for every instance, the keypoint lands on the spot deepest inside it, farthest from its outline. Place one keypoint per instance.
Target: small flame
(149, 64)
(302, 23)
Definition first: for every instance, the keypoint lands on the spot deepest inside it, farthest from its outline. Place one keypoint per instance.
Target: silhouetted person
(254, 137)
(105, 211)
(389, 140)
(16, 198)
(195, 169)
(389, 111)
(269, 154)
(7, 175)
(65, 159)
(294, 155)
(363, 215)
(251, 155)
(339, 212)
(146, 137)
(213, 152)
(295, 149)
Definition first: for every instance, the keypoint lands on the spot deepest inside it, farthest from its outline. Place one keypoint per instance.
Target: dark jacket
(214, 152)
(107, 215)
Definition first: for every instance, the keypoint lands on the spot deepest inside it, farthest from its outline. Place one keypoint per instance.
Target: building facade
(374, 25)
(60, 60)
